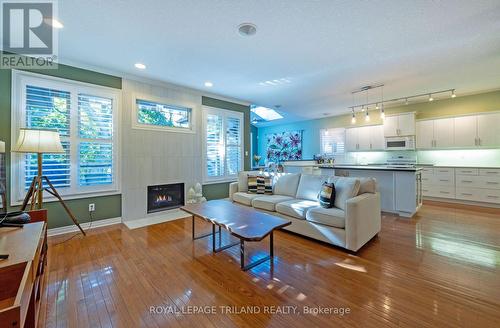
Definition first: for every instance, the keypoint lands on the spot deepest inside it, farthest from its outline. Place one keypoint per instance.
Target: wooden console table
(22, 277)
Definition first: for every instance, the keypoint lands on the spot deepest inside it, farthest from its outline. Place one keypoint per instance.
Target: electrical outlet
(91, 207)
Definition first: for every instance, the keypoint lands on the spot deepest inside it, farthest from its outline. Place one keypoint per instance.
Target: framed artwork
(284, 146)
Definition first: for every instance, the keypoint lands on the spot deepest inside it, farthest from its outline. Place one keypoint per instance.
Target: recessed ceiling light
(209, 84)
(54, 23)
(247, 29)
(140, 66)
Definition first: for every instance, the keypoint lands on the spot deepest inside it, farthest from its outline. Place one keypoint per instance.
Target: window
(224, 144)
(161, 114)
(85, 117)
(332, 141)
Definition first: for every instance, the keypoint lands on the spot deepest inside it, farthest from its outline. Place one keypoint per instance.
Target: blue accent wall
(310, 136)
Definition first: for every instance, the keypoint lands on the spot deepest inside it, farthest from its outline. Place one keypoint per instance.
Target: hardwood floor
(441, 269)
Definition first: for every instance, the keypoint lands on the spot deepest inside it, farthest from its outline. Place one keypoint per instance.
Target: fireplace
(165, 197)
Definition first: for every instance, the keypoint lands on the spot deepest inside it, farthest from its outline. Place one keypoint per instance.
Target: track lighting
(353, 119)
(430, 97)
(453, 95)
(367, 116)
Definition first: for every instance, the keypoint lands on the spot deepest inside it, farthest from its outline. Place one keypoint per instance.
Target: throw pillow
(326, 195)
(252, 184)
(264, 185)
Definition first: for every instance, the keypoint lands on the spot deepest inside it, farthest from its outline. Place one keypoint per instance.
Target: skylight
(265, 113)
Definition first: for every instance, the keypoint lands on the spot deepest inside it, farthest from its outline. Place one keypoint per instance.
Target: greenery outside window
(152, 113)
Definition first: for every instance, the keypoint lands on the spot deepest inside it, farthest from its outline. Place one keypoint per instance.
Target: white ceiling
(325, 48)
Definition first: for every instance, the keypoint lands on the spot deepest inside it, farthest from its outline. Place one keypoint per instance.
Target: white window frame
(321, 145)
(165, 101)
(225, 114)
(20, 80)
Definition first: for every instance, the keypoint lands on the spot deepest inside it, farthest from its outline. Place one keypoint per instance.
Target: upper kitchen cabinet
(399, 125)
(364, 138)
(480, 130)
(435, 133)
(425, 134)
(488, 130)
(377, 137)
(465, 131)
(444, 133)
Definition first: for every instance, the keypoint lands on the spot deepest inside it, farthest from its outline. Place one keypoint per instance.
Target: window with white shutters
(85, 117)
(224, 144)
(48, 109)
(332, 141)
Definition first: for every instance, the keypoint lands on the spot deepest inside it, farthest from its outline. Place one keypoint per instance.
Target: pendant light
(453, 95)
(353, 119)
(367, 116)
(430, 97)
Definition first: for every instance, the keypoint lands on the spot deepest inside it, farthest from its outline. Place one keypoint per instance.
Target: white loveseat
(351, 223)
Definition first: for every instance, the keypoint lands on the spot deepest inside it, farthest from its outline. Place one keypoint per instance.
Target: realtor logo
(28, 36)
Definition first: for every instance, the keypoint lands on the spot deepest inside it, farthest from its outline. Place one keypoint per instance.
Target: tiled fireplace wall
(156, 157)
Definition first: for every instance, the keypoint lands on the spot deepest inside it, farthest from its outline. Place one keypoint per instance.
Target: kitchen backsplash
(375, 157)
(469, 157)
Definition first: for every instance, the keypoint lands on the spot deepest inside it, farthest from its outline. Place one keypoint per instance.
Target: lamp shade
(2, 147)
(38, 141)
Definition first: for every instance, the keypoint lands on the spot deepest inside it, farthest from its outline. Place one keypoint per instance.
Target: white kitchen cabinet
(351, 139)
(425, 134)
(391, 126)
(364, 138)
(438, 133)
(377, 137)
(406, 124)
(444, 133)
(467, 183)
(488, 130)
(399, 125)
(465, 131)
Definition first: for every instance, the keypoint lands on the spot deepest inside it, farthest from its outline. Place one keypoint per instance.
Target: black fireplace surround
(165, 197)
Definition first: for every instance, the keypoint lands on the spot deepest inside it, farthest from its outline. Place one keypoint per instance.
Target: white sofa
(351, 223)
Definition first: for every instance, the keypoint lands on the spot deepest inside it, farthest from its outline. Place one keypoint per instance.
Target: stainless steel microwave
(400, 143)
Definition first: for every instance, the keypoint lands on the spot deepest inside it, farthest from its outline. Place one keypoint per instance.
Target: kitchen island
(400, 186)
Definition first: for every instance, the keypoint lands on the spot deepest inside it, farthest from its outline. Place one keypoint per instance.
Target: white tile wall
(156, 157)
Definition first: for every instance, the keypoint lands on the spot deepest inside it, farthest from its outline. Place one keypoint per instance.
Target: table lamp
(41, 142)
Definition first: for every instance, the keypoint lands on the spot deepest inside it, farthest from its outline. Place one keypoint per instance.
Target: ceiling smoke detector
(247, 29)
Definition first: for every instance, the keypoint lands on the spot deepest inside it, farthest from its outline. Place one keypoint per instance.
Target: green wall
(484, 102)
(221, 190)
(106, 206)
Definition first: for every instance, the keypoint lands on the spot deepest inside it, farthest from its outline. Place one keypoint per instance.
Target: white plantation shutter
(332, 141)
(224, 143)
(95, 163)
(233, 145)
(215, 145)
(95, 154)
(95, 117)
(49, 109)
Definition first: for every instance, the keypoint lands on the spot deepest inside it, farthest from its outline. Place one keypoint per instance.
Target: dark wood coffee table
(245, 223)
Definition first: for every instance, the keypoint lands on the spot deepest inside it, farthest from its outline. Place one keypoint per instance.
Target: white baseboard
(85, 226)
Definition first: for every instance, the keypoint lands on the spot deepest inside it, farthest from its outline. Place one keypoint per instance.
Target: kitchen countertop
(369, 167)
(461, 166)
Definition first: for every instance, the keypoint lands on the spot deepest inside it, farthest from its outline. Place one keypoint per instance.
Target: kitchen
(451, 159)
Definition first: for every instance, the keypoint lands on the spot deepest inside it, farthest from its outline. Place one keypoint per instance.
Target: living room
(249, 164)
